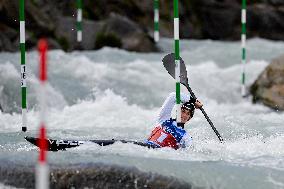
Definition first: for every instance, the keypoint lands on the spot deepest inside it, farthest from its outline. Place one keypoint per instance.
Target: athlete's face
(185, 115)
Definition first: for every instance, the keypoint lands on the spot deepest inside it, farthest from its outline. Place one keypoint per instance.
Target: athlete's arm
(169, 103)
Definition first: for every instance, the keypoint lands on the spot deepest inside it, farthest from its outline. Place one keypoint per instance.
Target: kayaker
(169, 133)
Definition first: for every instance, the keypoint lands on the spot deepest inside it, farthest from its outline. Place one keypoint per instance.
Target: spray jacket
(167, 132)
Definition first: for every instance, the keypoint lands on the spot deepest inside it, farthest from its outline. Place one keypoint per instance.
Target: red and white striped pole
(42, 171)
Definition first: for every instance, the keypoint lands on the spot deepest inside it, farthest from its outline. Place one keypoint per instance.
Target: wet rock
(269, 86)
(276, 2)
(199, 19)
(66, 33)
(38, 20)
(91, 176)
(7, 32)
(5, 43)
(219, 19)
(131, 35)
(266, 21)
(53, 44)
(8, 14)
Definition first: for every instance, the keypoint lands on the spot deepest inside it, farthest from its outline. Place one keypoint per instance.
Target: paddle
(169, 64)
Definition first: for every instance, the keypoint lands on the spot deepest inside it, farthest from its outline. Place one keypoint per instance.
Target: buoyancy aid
(167, 134)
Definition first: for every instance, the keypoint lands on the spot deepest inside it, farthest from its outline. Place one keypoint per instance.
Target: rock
(38, 24)
(66, 33)
(90, 31)
(7, 32)
(8, 14)
(5, 43)
(90, 176)
(265, 21)
(276, 2)
(219, 20)
(53, 44)
(269, 87)
(37, 21)
(139, 42)
(131, 35)
(199, 19)
(11, 33)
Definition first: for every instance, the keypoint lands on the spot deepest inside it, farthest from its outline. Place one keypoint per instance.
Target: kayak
(56, 145)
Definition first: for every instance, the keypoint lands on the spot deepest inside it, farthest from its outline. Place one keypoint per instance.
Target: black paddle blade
(169, 64)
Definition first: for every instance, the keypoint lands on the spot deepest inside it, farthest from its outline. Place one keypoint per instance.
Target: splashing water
(112, 93)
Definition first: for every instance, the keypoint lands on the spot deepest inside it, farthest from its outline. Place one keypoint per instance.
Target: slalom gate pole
(42, 171)
(177, 59)
(156, 21)
(243, 37)
(23, 65)
(79, 20)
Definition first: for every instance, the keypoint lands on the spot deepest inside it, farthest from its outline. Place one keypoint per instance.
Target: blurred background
(117, 22)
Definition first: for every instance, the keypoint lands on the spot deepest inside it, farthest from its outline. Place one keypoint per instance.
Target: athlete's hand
(198, 104)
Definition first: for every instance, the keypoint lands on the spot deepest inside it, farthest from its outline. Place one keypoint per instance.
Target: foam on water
(112, 93)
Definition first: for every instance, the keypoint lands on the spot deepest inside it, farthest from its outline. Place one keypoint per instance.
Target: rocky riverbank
(129, 24)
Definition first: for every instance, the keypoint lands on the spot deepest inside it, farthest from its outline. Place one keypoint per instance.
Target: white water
(112, 93)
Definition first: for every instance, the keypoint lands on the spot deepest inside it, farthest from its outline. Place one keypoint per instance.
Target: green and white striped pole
(23, 65)
(79, 20)
(243, 47)
(156, 20)
(177, 59)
